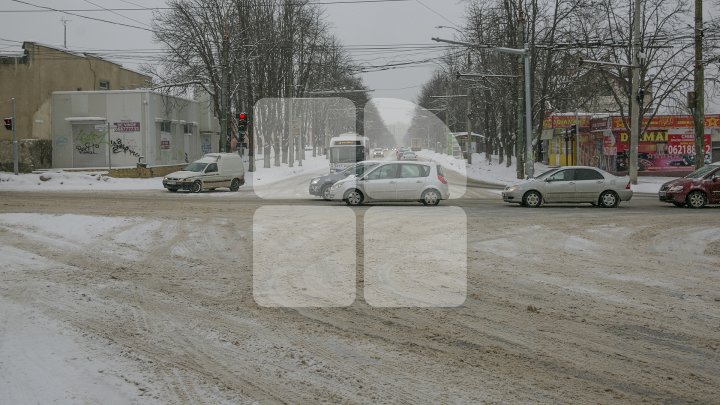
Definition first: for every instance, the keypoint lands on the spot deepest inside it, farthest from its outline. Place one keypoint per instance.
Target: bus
(346, 150)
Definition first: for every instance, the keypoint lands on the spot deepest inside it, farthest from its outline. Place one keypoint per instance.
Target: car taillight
(442, 179)
(627, 186)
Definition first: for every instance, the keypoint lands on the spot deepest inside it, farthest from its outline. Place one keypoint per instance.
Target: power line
(83, 16)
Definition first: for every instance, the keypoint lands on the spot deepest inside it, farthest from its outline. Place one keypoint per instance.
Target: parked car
(695, 190)
(394, 181)
(409, 156)
(214, 170)
(571, 184)
(378, 152)
(320, 186)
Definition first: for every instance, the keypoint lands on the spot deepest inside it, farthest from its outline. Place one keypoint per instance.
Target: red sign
(127, 126)
(684, 144)
(564, 121)
(670, 121)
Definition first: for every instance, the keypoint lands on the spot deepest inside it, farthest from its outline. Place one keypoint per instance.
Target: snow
(59, 180)
(62, 230)
(42, 361)
(300, 176)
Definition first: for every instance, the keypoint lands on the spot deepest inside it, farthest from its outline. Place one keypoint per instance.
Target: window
(588, 174)
(360, 169)
(165, 126)
(414, 171)
(188, 128)
(383, 172)
(562, 175)
(211, 168)
(104, 85)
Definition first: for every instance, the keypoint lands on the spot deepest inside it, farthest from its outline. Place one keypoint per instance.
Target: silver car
(571, 184)
(394, 181)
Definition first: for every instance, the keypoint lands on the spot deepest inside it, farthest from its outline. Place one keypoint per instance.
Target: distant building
(32, 77)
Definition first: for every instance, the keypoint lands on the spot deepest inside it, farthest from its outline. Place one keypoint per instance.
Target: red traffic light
(242, 116)
(8, 123)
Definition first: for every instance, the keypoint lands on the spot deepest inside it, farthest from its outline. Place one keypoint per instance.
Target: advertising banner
(670, 152)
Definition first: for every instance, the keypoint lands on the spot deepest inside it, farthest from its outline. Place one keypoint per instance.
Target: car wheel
(235, 185)
(325, 192)
(532, 199)
(431, 197)
(696, 199)
(196, 187)
(354, 197)
(677, 204)
(608, 199)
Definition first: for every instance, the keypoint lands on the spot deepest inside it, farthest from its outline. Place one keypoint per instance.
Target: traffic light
(242, 122)
(8, 124)
(573, 130)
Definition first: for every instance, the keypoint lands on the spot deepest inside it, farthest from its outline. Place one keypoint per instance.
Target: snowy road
(147, 297)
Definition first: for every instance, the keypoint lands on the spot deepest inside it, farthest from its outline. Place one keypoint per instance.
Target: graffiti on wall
(119, 147)
(88, 142)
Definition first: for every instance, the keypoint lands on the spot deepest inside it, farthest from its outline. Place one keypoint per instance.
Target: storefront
(560, 143)
(666, 146)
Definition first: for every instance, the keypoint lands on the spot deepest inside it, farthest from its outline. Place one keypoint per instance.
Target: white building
(144, 126)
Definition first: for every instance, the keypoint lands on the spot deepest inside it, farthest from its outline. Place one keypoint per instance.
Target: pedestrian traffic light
(242, 122)
(8, 124)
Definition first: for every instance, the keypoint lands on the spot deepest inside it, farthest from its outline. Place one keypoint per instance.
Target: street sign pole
(109, 148)
(16, 164)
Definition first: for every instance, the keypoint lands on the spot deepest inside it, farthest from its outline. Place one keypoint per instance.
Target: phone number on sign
(684, 149)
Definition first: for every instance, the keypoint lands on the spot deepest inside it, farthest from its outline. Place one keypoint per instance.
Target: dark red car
(695, 190)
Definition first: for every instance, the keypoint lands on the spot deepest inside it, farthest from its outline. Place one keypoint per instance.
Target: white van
(214, 170)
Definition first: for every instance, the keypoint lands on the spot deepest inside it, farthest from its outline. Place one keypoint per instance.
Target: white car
(214, 170)
(571, 184)
(394, 181)
(378, 152)
(408, 156)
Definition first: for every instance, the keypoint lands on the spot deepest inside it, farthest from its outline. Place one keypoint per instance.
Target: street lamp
(525, 53)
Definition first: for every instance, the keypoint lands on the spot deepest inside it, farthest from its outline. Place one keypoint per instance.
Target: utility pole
(64, 22)
(224, 93)
(635, 103)
(699, 89)
(469, 127)
(520, 141)
(14, 141)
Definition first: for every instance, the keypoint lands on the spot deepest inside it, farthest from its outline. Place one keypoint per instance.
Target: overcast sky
(387, 23)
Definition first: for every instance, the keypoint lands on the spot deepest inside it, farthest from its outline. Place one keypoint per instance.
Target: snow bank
(74, 181)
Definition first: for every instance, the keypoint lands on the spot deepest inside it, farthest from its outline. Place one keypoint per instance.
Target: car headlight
(675, 189)
(335, 186)
(511, 189)
(315, 180)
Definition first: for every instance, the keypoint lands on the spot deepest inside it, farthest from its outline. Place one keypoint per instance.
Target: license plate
(170, 182)
(662, 194)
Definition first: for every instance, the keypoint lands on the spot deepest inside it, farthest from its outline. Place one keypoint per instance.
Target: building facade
(32, 77)
(97, 129)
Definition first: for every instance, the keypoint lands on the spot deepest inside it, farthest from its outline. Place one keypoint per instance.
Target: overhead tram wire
(141, 8)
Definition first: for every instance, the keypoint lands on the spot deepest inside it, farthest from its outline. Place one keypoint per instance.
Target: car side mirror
(548, 180)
